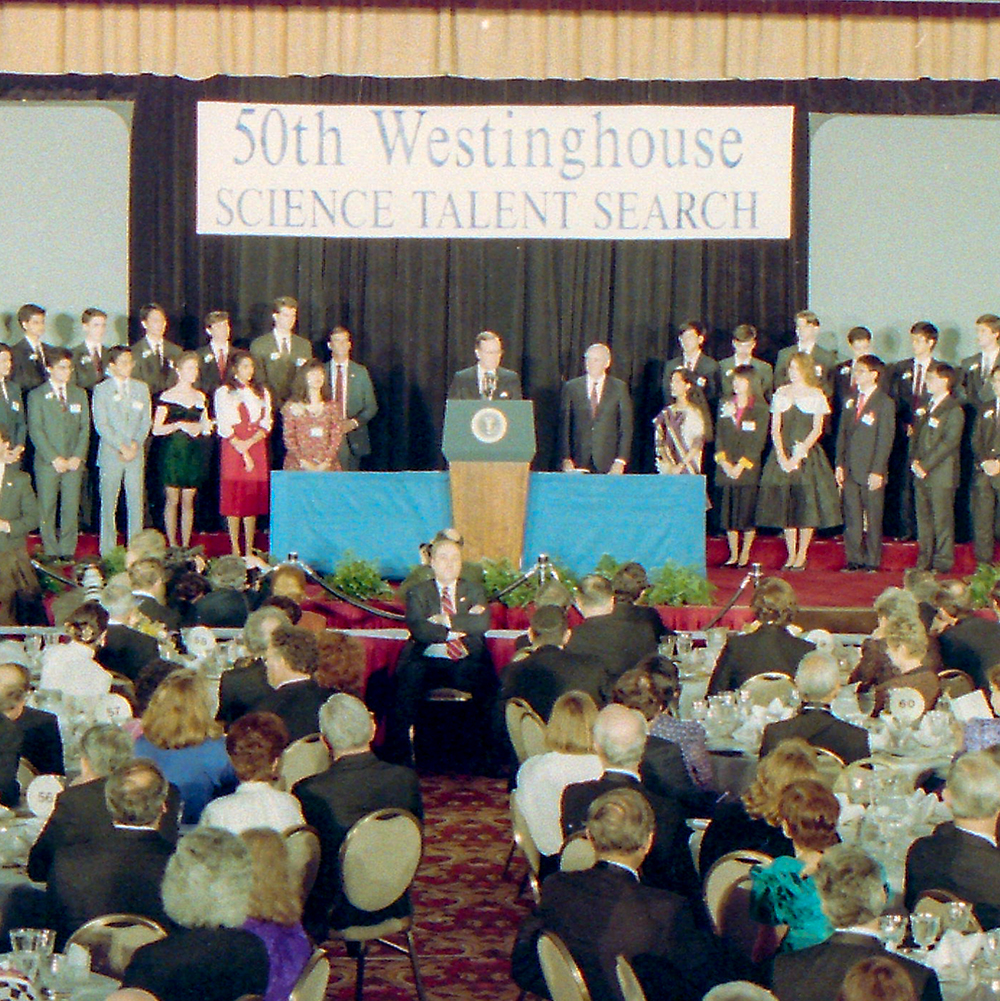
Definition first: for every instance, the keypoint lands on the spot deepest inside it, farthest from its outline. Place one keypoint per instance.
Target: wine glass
(925, 929)
(892, 929)
(991, 949)
(699, 710)
(684, 645)
(959, 915)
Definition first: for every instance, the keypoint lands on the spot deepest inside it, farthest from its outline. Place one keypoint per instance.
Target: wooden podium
(489, 445)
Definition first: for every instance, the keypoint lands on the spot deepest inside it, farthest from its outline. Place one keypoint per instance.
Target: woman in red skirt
(243, 418)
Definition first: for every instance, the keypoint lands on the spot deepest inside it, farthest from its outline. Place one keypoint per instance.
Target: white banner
(637, 172)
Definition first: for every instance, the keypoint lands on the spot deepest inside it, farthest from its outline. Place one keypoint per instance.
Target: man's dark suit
(668, 864)
(971, 645)
(120, 874)
(298, 704)
(241, 689)
(985, 488)
(594, 442)
(210, 378)
(361, 407)
(605, 912)
(864, 443)
(12, 415)
(824, 360)
(765, 377)
(614, 641)
(332, 802)
(769, 648)
(465, 385)
(899, 380)
(86, 372)
(707, 374)
(223, 608)
(276, 370)
(962, 863)
(10, 755)
(41, 743)
(158, 612)
(126, 651)
(29, 365)
(81, 817)
(548, 672)
(817, 973)
(148, 368)
(18, 506)
(819, 727)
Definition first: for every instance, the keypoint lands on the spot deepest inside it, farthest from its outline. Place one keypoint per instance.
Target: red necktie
(456, 648)
(338, 393)
(594, 400)
(220, 360)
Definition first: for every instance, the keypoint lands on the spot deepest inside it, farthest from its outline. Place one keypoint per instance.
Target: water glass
(892, 929)
(959, 916)
(667, 647)
(925, 928)
(991, 949)
(684, 645)
(699, 710)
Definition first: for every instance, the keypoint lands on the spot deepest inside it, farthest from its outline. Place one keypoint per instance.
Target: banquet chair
(726, 892)
(378, 861)
(578, 853)
(562, 976)
(526, 843)
(936, 901)
(525, 728)
(111, 939)
(312, 982)
(764, 688)
(698, 826)
(955, 683)
(628, 982)
(829, 765)
(25, 773)
(306, 756)
(303, 847)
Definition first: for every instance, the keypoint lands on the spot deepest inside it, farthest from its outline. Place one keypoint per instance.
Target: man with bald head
(41, 742)
(595, 423)
(620, 741)
(486, 380)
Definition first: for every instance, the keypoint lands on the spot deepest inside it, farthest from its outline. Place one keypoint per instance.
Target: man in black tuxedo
(807, 328)
(125, 650)
(606, 912)
(225, 606)
(961, 856)
(864, 442)
(546, 669)
(355, 784)
(149, 585)
(966, 641)
(818, 681)
(845, 377)
(213, 357)
(620, 740)
(243, 687)
(486, 380)
(291, 661)
(769, 647)
(30, 354)
(705, 370)
(447, 618)
(352, 391)
(41, 743)
(155, 356)
(604, 636)
(122, 872)
(595, 420)
(986, 477)
(852, 892)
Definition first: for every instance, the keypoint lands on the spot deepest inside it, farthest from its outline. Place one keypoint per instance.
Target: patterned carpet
(465, 914)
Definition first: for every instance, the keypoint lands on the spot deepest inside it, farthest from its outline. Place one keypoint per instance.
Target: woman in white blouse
(243, 417)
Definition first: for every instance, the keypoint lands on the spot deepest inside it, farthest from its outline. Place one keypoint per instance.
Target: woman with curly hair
(72, 668)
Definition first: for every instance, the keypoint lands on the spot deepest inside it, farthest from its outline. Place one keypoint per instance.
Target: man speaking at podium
(486, 380)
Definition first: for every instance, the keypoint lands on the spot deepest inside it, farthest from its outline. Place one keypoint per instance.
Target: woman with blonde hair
(276, 911)
(542, 778)
(180, 735)
(754, 822)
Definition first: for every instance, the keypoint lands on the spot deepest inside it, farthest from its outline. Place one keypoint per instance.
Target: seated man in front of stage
(486, 380)
(447, 618)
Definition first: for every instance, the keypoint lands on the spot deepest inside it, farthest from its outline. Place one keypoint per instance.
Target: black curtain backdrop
(414, 306)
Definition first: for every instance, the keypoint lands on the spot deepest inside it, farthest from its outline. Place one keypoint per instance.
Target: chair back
(111, 939)
(379, 858)
(906, 704)
(526, 843)
(829, 765)
(525, 728)
(764, 688)
(628, 982)
(313, 980)
(726, 892)
(562, 976)
(25, 773)
(303, 847)
(578, 853)
(306, 756)
(955, 683)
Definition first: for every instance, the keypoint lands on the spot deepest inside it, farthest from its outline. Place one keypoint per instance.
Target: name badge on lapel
(748, 426)
(15, 404)
(849, 405)
(933, 422)
(701, 381)
(275, 355)
(868, 419)
(74, 408)
(300, 361)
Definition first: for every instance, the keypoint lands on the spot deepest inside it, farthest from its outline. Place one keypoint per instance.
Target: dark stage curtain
(414, 306)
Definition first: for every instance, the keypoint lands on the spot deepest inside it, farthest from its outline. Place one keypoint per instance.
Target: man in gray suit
(59, 427)
(352, 390)
(122, 419)
(279, 354)
(18, 505)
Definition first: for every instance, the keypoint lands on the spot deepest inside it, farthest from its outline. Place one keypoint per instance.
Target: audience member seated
(41, 743)
(545, 670)
(121, 872)
(149, 585)
(210, 957)
(924, 586)
(607, 911)
(968, 642)
(879, 978)
(961, 856)
(620, 740)
(254, 744)
(569, 757)
(906, 644)
(145, 684)
(604, 636)
(291, 660)
(422, 572)
(225, 606)
(355, 784)
(818, 681)
(852, 891)
(71, 668)
(186, 589)
(149, 544)
(769, 647)
(754, 822)
(290, 582)
(341, 665)
(179, 734)
(629, 584)
(275, 914)
(783, 894)
(125, 650)
(243, 686)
